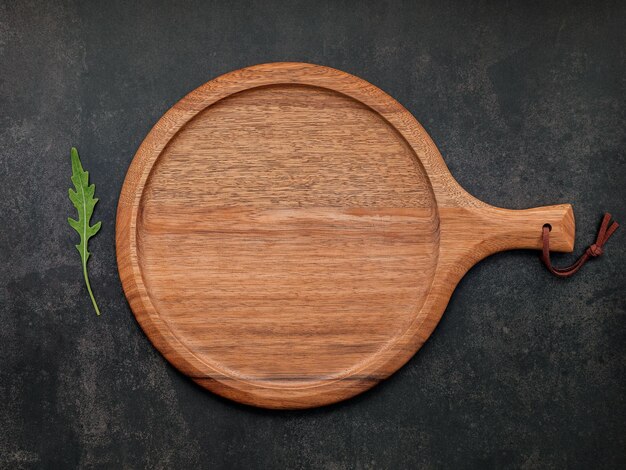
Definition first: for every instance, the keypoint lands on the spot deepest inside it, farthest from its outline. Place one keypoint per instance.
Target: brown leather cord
(593, 251)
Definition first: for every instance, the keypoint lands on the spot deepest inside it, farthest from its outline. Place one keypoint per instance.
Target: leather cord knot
(595, 250)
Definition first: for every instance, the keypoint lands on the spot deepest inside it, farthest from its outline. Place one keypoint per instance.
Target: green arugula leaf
(84, 202)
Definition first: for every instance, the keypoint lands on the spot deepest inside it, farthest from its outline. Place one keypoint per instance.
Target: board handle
(472, 232)
(522, 229)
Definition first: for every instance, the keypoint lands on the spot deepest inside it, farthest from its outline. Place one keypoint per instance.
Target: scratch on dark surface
(526, 102)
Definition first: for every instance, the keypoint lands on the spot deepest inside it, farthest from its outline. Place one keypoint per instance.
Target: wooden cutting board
(288, 235)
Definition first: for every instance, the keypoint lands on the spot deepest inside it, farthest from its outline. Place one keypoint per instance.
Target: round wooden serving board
(288, 235)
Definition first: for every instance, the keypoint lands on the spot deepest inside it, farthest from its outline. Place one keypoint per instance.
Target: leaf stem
(93, 300)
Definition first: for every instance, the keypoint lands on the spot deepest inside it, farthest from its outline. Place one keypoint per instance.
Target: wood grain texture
(288, 235)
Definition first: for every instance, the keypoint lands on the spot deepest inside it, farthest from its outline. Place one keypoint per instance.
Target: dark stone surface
(526, 102)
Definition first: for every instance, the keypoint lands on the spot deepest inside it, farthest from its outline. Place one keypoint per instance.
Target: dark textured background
(526, 102)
